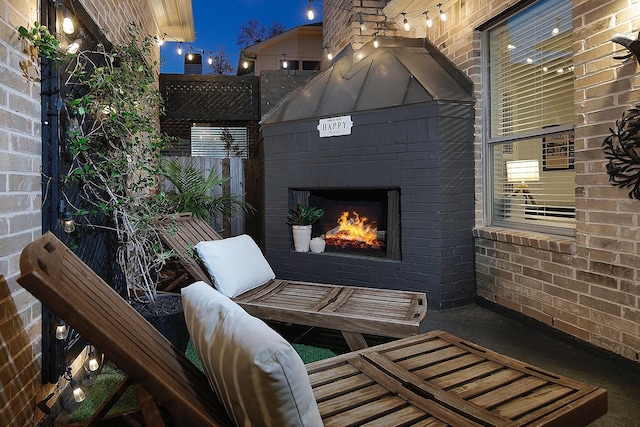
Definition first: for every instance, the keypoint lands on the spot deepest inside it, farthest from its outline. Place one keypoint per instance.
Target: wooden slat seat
(352, 310)
(432, 379)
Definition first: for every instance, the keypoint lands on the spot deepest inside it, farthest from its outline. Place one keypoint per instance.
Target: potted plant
(301, 219)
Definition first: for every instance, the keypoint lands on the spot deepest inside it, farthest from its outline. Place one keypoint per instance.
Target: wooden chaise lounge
(352, 310)
(430, 379)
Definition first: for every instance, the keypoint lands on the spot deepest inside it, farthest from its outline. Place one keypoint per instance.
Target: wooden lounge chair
(429, 379)
(352, 310)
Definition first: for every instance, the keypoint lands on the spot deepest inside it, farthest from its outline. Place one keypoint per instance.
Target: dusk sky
(217, 23)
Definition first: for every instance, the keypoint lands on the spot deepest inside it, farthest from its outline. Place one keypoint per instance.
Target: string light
(428, 19)
(210, 59)
(556, 29)
(92, 363)
(443, 16)
(285, 64)
(67, 23)
(363, 27)
(78, 393)
(179, 48)
(375, 40)
(67, 220)
(190, 54)
(245, 64)
(310, 14)
(161, 39)
(407, 27)
(61, 330)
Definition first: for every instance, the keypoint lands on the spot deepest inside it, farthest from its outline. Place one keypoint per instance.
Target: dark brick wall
(426, 151)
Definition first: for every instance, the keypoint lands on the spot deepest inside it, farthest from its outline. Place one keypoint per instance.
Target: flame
(354, 228)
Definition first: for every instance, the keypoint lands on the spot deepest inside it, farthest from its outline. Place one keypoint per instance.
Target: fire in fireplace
(355, 232)
(358, 221)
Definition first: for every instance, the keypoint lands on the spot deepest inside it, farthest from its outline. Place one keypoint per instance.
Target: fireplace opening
(359, 221)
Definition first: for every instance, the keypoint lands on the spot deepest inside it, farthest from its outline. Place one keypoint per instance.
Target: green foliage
(193, 191)
(40, 43)
(304, 215)
(112, 110)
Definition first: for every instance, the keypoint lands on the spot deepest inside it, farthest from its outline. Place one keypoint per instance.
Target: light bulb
(180, 49)
(93, 364)
(190, 56)
(210, 60)
(556, 29)
(375, 42)
(245, 64)
(428, 20)
(61, 331)
(67, 23)
(73, 47)
(67, 220)
(310, 14)
(78, 394)
(362, 26)
(285, 64)
(329, 56)
(443, 16)
(529, 60)
(407, 27)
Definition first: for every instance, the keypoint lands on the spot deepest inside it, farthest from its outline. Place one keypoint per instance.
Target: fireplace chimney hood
(401, 71)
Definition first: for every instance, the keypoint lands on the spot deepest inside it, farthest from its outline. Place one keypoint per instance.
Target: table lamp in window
(523, 171)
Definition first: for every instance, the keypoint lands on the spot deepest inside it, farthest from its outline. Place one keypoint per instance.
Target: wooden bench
(352, 310)
(429, 379)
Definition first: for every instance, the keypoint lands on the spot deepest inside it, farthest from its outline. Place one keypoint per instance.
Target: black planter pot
(167, 316)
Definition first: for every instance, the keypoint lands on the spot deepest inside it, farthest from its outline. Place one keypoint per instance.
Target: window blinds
(530, 68)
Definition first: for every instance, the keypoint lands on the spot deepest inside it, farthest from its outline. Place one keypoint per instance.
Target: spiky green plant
(194, 188)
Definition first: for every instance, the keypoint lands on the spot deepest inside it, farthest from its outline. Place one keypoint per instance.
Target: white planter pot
(317, 245)
(301, 237)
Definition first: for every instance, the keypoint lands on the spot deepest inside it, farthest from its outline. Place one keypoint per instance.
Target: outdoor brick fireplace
(406, 166)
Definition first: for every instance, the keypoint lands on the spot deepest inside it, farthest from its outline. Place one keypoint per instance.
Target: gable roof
(400, 71)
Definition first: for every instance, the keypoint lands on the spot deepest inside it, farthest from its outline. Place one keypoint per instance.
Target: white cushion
(258, 376)
(235, 264)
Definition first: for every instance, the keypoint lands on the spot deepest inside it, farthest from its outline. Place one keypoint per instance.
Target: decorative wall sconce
(622, 150)
(632, 45)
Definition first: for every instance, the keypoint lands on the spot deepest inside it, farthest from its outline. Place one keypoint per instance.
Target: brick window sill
(560, 244)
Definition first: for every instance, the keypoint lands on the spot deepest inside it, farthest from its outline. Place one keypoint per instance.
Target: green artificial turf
(110, 378)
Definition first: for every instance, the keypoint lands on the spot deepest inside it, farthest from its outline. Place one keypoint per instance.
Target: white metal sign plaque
(335, 126)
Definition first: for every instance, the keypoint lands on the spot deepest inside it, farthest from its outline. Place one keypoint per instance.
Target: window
(219, 141)
(311, 65)
(291, 64)
(529, 135)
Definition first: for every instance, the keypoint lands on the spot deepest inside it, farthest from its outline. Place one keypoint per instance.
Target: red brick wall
(586, 286)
